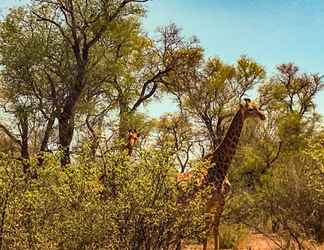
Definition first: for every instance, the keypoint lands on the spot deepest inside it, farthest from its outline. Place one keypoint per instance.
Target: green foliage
(68, 68)
(277, 172)
(291, 197)
(231, 234)
(135, 204)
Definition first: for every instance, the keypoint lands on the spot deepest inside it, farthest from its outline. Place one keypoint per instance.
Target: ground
(252, 242)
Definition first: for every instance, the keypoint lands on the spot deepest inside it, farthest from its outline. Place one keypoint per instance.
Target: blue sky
(271, 32)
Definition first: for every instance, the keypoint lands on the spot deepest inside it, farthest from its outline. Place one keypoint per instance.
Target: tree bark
(66, 124)
(124, 114)
(24, 148)
(66, 129)
(48, 132)
(46, 137)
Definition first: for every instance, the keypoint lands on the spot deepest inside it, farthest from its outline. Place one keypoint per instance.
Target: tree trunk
(66, 124)
(211, 133)
(66, 129)
(95, 136)
(48, 132)
(66, 117)
(123, 118)
(24, 148)
(214, 136)
(47, 135)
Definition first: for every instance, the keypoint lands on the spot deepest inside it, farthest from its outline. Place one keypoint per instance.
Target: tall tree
(210, 91)
(82, 25)
(24, 93)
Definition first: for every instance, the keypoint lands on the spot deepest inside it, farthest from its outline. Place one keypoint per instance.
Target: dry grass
(197, 247)
(253, 242)
(258, 242)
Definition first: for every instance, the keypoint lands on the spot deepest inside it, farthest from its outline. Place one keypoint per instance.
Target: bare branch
(103, 29)
(155, 79)
(45, 19)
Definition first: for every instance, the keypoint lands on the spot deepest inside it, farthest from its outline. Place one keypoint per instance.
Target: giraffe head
(251, 109)
(133, 137)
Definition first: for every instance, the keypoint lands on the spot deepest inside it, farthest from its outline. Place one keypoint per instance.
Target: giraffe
(132, 139)
(219, 163)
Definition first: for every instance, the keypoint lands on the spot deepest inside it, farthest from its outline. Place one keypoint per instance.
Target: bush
(113, 203)
(231, 234)
(288, 202)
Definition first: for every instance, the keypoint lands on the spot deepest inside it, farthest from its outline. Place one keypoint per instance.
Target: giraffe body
(220, 161)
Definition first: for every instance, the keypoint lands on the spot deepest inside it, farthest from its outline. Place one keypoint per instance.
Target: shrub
(113, 203)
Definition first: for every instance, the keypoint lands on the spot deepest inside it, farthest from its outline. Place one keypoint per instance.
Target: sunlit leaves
(76, 207)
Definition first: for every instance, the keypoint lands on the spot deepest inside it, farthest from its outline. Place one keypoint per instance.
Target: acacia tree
(91, 61)
(25, 93)
(274, 169)
(291, 97)
(175, 132)
(146, 68)
(211, 91)
(288, 99)
(82, 25)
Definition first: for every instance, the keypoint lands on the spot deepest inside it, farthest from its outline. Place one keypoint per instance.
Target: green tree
(277, 182)
(82, 26)
(210, 92)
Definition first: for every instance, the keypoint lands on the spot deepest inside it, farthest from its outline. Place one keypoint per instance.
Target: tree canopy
(74, 76)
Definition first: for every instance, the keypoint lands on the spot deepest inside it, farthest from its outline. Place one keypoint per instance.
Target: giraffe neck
(223, 155)
(220, 160)
(229, 144)
(129, 150)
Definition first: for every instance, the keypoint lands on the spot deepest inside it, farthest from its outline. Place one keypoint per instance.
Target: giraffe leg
(208, 225)
(178, 247)
(216, 222)
(205, 244)
(205, 240)
(216, 232)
